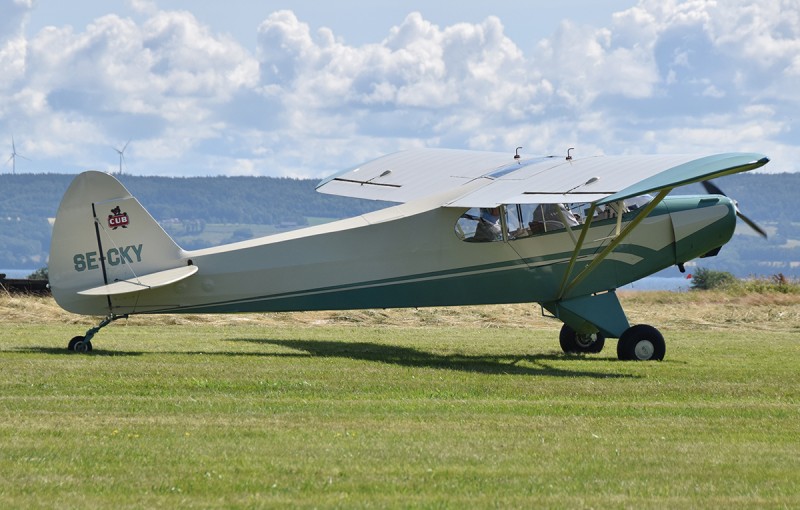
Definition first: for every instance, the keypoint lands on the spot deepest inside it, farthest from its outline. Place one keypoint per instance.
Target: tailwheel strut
(83, 344)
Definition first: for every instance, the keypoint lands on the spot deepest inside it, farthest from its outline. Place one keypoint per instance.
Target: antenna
(121, 153)
(14, 156)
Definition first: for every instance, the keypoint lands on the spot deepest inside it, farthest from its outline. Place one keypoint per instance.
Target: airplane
(469, 228)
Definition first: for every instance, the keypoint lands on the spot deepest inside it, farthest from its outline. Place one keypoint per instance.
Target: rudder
(102, 235)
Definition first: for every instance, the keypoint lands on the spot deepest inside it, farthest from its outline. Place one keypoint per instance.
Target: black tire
(572, 342)
(80, 344)
(641, 343)
(75, 340)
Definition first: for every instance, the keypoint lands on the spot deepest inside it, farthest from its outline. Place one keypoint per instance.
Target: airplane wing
(413, 174)
(408, 175)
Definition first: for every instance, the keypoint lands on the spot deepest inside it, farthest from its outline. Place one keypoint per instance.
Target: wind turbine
(121, 153)
(14, 156)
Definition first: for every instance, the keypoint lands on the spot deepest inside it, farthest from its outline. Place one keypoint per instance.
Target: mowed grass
(440, 408)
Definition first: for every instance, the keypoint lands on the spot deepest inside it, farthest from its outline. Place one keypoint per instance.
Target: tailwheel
(641, 343)
(80, 344)
(83, 344)
(572, 342)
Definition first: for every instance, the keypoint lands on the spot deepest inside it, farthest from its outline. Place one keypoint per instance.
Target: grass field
(440, 408)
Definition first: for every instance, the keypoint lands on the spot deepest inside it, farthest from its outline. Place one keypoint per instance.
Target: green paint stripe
(433, 276)
(399, 280)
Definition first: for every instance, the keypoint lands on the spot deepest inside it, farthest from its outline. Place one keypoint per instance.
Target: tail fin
(102, 240)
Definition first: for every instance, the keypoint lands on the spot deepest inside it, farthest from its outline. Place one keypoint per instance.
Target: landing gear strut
(83, 344)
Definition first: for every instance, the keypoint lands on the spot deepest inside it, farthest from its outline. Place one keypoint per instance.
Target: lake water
(16, 273)
(660, 283)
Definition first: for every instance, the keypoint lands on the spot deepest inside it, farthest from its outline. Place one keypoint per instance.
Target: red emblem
(117, 219)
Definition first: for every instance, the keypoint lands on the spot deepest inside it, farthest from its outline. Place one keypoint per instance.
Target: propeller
(713, 189)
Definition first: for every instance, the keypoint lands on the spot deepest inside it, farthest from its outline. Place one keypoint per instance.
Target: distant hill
(770, 200)
(203, 211)
(28, 200)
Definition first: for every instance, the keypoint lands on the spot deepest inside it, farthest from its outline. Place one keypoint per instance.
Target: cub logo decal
(117, 219)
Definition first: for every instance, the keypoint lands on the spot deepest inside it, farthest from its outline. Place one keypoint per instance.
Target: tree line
(28, 200)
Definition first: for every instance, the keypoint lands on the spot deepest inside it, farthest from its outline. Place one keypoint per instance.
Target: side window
(552, 217)
(629, 205)
(633, 203)
(467, 224)
(480, 225)
(519, 220)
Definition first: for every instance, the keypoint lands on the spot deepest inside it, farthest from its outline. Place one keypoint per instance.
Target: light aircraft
(471, 228)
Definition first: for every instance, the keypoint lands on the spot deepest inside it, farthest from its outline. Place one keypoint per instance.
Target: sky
(304, 88)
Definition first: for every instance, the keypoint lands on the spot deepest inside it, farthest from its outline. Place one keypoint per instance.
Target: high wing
(413, 174)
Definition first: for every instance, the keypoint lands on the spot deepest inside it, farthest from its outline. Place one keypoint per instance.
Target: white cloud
(147, 7)
(663, 76)
(583, 63)
(161, 81)
(13, 46)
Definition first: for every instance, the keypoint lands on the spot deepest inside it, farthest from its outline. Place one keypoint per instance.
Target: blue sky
(304, 88)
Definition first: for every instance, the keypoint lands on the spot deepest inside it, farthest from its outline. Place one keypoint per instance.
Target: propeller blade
(751, 223)
(713, 189)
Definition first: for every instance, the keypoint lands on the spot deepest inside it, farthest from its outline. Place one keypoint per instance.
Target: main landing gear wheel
(641, 343)
(80, 344)
(572, 342)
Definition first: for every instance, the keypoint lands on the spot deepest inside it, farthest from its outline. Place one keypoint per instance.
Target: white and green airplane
(470, 228)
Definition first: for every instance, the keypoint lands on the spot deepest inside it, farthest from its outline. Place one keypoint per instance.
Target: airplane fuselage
(410, 256)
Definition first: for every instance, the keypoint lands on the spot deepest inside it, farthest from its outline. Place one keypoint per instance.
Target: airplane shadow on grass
(409, 357)
(64, 352)
(391, 354)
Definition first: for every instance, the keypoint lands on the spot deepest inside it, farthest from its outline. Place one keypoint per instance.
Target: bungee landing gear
(83, 344)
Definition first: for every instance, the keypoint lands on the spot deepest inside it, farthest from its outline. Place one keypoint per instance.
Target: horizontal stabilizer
(148, 281)
(105, 243)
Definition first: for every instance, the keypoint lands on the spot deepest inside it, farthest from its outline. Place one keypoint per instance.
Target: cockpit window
(634, 203)
(549, 217)
(517, 221)
(480, 225)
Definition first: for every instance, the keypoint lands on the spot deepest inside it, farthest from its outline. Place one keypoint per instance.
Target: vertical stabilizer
(103, 235)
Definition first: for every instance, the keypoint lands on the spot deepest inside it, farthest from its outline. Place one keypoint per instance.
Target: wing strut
(567, 287)
(577, 250)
